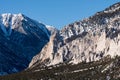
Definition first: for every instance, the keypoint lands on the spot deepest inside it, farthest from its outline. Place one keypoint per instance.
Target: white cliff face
(47, 53)
(84, 41)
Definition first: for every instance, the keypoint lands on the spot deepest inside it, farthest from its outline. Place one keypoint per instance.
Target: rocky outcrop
(47, 53)
(84, 41)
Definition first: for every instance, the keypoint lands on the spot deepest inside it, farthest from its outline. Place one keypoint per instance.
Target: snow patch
(8, 21)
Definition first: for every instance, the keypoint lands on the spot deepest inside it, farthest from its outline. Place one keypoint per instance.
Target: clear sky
(57, 13)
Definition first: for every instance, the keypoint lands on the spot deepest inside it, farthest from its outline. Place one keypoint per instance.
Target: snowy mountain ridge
(21, 38)
(8, 20)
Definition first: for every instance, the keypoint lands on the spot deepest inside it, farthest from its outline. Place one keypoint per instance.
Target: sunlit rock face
(88, 40)
(21, 38)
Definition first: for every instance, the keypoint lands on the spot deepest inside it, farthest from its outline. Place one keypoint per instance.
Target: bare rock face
(47, 53)
(21, 38)
(84, 41)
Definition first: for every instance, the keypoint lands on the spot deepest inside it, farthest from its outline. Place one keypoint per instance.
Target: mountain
(84, 41)
(84, 50)
(21, 38)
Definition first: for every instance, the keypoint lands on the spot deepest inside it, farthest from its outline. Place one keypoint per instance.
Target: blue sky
(57, 13)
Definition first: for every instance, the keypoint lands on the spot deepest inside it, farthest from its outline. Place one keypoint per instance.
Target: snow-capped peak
(9, 15)
(21, 38)
(8, 20)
